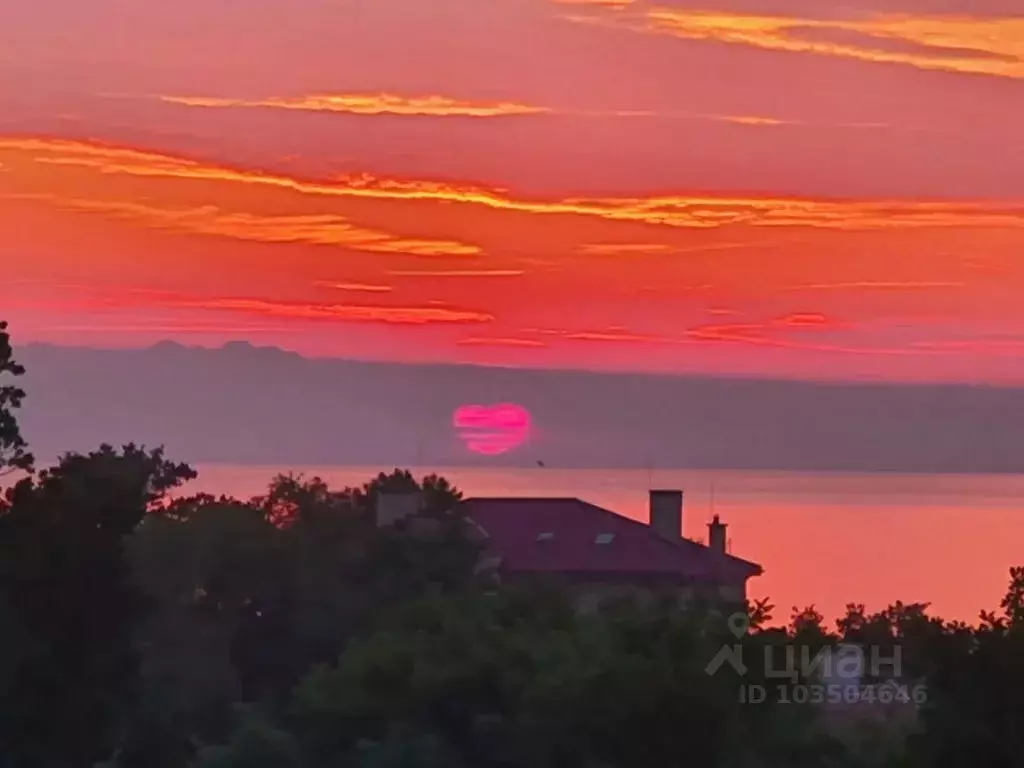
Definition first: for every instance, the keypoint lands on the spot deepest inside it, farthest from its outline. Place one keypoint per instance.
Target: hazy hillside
(244, 404)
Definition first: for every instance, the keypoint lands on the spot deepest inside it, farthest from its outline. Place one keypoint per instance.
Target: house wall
(591, 590)
(733, 593)
(590, 595)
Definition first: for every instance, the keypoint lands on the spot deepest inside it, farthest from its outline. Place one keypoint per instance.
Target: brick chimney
(716, 535)
(666, 514)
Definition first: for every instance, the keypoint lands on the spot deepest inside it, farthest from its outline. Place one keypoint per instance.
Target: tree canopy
(14, 453)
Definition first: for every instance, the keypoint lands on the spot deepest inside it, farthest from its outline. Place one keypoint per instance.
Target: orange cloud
(1010, 347)
(457, 272)
(314, 229)
(442, 106)
(368, 104)
(359, 287)
(338, 312)
(482, 341)
(745, 120)
(617, 249)
(129, 298)
(166, 328)
(680, 210)
(641, 249)
(617, 5)
(989, 46)
(754, 334)
(804, 320)
(872, 285)
(613, 335)
(710, 212)
(771, 334)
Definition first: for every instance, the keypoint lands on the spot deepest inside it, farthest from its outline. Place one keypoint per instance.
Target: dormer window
(604, 538)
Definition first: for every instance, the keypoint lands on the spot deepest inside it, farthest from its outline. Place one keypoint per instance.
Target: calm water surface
(823, 539)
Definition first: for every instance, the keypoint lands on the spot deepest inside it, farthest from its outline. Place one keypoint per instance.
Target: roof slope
(514, 524)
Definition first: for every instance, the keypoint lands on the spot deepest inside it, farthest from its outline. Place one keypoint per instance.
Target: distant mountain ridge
(243, 404)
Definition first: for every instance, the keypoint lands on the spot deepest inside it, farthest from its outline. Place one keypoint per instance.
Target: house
(602, 553)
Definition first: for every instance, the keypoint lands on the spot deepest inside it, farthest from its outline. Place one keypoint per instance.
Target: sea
(824, 540)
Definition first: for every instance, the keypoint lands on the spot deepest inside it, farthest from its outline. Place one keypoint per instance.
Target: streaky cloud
(694, 211)
(457, 272)
(358, 287)
(367, 104)
(500, 341)
(312, 229)
(992, 46)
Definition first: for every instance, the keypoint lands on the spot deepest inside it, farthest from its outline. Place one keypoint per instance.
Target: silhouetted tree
(974, 713)
(347, 569)
(14, 452)
(214, 570)
(256, 744)
(66, 588)
(292, 498)
(252, 595)
(519, 679)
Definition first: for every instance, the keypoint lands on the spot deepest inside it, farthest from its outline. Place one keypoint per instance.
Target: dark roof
(513, 525)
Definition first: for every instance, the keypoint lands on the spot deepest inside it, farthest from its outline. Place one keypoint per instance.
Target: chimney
(392, 507)
(667, 514)
(716, 535)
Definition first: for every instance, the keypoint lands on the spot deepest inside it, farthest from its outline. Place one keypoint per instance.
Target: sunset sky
(796, 188)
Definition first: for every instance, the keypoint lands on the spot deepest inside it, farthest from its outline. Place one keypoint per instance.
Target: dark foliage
(14, 453)
(68, 597)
